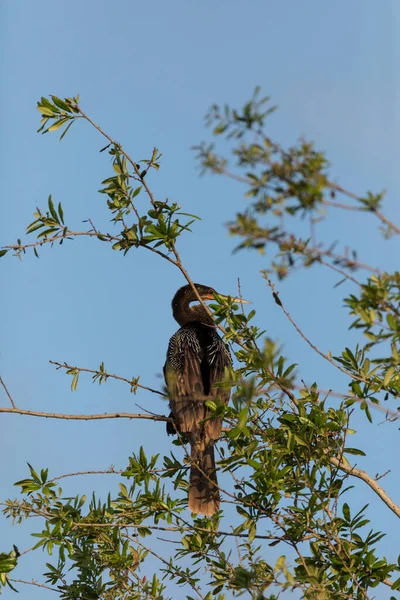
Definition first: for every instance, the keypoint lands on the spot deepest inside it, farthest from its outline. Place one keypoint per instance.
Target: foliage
(285, 445)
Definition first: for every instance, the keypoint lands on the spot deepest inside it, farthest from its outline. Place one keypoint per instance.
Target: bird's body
(196, 360)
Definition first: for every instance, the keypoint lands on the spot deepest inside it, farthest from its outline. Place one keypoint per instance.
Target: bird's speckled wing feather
(196, 360)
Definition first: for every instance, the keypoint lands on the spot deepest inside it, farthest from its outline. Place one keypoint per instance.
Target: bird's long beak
(239, 300)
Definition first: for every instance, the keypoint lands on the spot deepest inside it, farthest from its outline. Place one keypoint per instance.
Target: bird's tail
(203, 488)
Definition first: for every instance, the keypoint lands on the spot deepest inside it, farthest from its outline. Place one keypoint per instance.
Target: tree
(288, 509)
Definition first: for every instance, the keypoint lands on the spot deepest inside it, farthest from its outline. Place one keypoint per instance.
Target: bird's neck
(184, 313)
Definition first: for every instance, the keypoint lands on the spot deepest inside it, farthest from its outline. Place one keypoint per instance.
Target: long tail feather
(203, 489)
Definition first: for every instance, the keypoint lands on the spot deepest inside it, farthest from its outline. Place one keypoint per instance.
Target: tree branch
(128, 158)
(380, 215)
(392, 413)
(309, 342)
(118, 415)
(105, 375)
(369, 481)
(110, 471)
(59, 237)
(8, 393)
(333, 186)
(33, 582)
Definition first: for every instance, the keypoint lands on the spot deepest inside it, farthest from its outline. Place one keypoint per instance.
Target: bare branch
(106, 375)
(35, 583)
(380, 215)
(305, 338)
(109, 471)
(8, 393)
(47, 415)
(392, 413)
(61, 236)
(340, 271)
(333, 186)
(369, 481)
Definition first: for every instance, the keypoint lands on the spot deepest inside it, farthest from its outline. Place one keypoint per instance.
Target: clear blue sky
(147, 73)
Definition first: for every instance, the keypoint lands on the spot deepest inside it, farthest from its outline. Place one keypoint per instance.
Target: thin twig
(110, 471)
(122, 151)
(105, 375)
(33, 582)
(332, 186)
(61, 236)
(8, 393)
(307, 340)
(394, 414)
(368, 480)
(340, 271)
(168, 564)
(379, 214)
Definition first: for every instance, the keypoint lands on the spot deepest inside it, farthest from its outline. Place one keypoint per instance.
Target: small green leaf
(61, 104)
(45, 111)
(346, 512)
(58, 124)
(74, 383)
(355, 451)
(396, 584)
(388, 376)
(66, 129)
(61, 212)
(52, 209)
(280, 563)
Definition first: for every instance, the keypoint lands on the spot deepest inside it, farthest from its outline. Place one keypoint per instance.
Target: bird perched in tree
(196, 360)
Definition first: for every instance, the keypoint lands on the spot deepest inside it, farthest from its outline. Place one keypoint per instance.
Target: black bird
(196, 360)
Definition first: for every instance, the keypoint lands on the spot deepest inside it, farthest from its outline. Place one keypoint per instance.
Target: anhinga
(196, 360)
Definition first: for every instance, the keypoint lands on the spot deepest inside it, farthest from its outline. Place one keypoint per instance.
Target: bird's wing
(219, 359)
(184, 379)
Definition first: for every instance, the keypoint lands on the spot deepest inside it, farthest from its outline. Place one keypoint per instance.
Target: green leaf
(123, 490)
(355, 451)
(34, 226)
(3, 253)
(346, 511)
(61, 212)
(388, 376)
(280, 563)
(59, 124)
(7, 564)
(45, 111)
(66, 129)
(34, 474)
(61, 104)
(396, 584)
(74, 383)
(52, 209)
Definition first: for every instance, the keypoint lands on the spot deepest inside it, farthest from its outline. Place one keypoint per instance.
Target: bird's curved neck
(184, 313)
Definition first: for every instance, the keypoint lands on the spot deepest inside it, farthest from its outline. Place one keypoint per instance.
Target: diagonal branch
(122, 151)
(373, 484)
(309, 342)
(380, 215)
(8, 393)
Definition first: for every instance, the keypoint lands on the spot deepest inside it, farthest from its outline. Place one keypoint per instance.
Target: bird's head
(184, 313)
